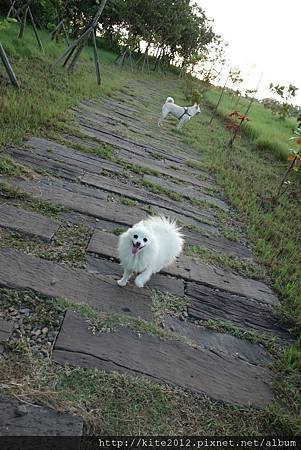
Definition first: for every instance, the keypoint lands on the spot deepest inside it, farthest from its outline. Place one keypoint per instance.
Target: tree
(286, 93)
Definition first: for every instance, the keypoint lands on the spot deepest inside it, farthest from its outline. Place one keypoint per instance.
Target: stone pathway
(145, 170)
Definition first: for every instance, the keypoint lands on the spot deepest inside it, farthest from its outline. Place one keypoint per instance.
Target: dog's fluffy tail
(169, 100)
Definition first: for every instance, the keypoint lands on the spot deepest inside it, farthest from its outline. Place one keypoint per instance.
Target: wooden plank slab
(21, 271)
(27, 222)
(218, 278)
(136, 135)
(219, 342)
(206, 303)
(199, 370)
(93, 205)
(168, 285)
(217, 243)
(35, 420)
(92, 202)
(102, 243)
(161, 166)
(36, 161)
(125, 151)
(144, 196)
(105, 244)
(69, 157)
(127, 154)
(121, 133)
(187, 191)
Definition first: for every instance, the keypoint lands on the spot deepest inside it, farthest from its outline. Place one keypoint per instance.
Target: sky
(263, 37)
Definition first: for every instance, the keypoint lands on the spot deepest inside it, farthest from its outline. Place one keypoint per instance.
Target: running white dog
(147, 247)
(182, 113)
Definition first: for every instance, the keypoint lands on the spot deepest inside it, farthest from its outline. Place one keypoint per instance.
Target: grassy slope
(45, 95)
(267, 131)
(248, 175)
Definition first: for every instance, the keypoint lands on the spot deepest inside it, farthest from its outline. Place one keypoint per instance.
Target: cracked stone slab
(21, 271)
(33, 224)
(206, 303)
(211, 276)
(219, 342)
(199, 370)
(24, 419)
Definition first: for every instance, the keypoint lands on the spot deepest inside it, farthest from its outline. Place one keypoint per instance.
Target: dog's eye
(135, 236)
(145, 240)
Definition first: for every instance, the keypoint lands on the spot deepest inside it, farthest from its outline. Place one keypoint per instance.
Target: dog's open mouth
(136, 248)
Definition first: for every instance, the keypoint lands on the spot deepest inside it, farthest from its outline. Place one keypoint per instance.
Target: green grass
(158, 189)
(248, 176)
(118, 405)
(103, 151)
(165, 303)
(128, 201)
(111, 403)
(45, 95)
(11, 168)
(266, 130)
(26, 201)
(228, 262)
(118, 231)
(68, 245)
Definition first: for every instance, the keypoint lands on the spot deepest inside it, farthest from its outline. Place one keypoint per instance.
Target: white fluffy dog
(147, 247)
(182, 113)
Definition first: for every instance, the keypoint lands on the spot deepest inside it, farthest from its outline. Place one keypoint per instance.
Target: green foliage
(178, 28)
(285, 93)
(261, 129)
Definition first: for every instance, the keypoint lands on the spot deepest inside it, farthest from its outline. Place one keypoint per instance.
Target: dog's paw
(139, 283)
(121, 282)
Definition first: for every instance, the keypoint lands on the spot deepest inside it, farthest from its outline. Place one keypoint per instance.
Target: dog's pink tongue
(135, 250)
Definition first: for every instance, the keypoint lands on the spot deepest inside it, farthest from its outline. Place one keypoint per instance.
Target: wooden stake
(66, 34)
(12, 11)
(35, 28)
(53, 33)
(219, 100)
(96, 58)
(8, 68)
(23, 23)
(80, 42)
(77, 54)
(61, 24)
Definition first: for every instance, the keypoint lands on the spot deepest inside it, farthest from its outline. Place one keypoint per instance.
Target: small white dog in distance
(182, 113)
(147, 247)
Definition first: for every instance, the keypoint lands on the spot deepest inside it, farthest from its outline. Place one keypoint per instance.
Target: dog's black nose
(138, 244)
